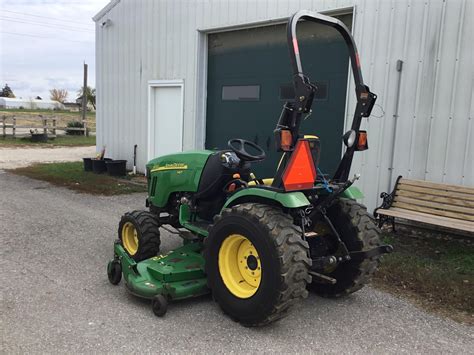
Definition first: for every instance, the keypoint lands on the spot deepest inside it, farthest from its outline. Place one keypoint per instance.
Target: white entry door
(165, 117)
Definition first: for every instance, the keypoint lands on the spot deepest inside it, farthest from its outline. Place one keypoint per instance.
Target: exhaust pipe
(134, 160)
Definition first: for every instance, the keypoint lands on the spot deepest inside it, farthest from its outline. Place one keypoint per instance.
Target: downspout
(395, 118)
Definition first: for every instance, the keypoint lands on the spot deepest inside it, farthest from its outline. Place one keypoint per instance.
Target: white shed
(178, 75)
(18, 103)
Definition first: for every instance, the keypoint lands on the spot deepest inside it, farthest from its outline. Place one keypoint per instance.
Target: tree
(90, 95)
(58, 95)
(7, 92)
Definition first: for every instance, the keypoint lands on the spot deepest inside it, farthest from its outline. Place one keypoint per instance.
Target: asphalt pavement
(55, 296)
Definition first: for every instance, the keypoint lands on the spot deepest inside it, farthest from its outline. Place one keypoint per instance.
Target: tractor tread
(292, 254)
(149, 233)
(366, 236)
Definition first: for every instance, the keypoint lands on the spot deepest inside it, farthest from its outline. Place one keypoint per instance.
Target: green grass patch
(68, 141)
(73, 176)
(438, 273)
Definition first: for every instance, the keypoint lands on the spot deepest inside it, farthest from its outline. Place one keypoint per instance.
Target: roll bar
(292, 113)
(324, 20)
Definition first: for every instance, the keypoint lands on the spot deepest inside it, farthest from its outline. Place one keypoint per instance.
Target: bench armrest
(387, 198)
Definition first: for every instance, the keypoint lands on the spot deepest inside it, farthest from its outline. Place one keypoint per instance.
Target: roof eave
(105, 10)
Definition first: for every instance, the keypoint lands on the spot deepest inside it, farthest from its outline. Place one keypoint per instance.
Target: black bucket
(117, 167)
(98, 165)
(87, 164)
(39, 137)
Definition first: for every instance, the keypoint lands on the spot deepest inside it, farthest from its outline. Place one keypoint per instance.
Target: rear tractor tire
(359, 232)
(256, 263)
(139, 234)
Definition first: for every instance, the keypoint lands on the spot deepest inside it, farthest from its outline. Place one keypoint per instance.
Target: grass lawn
(436, 273)
(71, 141)
(73, 176)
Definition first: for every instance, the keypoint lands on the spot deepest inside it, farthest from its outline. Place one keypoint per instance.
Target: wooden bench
(450, 206)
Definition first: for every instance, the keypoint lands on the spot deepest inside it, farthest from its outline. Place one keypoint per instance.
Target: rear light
(362, 143)
(285, 139)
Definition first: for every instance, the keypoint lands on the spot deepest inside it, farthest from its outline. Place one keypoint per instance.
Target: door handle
(268, 142)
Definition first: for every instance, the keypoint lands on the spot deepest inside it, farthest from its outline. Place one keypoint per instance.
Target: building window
(287, 91)
(241, 93)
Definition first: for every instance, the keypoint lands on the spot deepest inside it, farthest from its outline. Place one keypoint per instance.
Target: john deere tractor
(258, 245)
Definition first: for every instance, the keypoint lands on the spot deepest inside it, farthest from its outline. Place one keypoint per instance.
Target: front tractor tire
(139, 234)
(359, 232)
(256, 263)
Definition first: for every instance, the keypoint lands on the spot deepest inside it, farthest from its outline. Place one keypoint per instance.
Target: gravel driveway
(55, 296)
(16, 157)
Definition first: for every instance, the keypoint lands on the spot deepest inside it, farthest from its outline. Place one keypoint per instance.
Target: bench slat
(434, 205)
(436, 186)
(440, 199)
(428, 191)
(456, 215)
(428, 218)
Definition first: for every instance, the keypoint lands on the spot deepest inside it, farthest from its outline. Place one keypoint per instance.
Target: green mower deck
(177, 275)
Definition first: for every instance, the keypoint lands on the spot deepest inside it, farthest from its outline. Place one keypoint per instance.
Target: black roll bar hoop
(304, 91)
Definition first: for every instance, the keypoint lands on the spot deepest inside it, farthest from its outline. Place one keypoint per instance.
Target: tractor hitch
(320, 263)
(367, 254)
(324, 279)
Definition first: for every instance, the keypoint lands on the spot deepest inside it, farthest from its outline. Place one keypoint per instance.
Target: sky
(44, 43)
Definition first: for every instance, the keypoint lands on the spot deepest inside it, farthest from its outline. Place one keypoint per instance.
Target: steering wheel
(238, 147)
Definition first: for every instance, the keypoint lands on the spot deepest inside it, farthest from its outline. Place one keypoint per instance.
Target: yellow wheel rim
(130, 238)
(239, 266)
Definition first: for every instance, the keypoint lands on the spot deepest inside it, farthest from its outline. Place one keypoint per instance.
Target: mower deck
(177, 275)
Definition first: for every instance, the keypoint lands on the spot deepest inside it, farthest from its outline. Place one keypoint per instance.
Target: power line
(47, 17)
(47, 37)
(55, 26)
(34, 22)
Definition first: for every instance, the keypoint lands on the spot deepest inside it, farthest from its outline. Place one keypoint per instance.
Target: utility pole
(84, 101)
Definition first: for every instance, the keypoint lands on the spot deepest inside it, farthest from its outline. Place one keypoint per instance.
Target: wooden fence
(44, 123)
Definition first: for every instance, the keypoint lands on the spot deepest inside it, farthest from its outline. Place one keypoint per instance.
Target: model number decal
(171, 166)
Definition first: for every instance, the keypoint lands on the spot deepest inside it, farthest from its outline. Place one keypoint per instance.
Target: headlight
(349, 138)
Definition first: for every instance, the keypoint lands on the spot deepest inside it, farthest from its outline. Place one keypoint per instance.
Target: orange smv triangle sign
(300, 173)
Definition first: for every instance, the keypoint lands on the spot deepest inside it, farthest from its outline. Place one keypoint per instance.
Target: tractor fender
(353, 192)
(285, 199)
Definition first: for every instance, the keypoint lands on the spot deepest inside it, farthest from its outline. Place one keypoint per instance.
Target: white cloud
(43, 44)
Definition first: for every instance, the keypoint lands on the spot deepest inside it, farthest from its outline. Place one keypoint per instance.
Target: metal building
(176, 74)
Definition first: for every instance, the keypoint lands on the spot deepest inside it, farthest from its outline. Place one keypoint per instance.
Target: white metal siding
(152, 40)
(434, 127)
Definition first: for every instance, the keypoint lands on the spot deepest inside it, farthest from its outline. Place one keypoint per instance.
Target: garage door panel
(259, 57)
